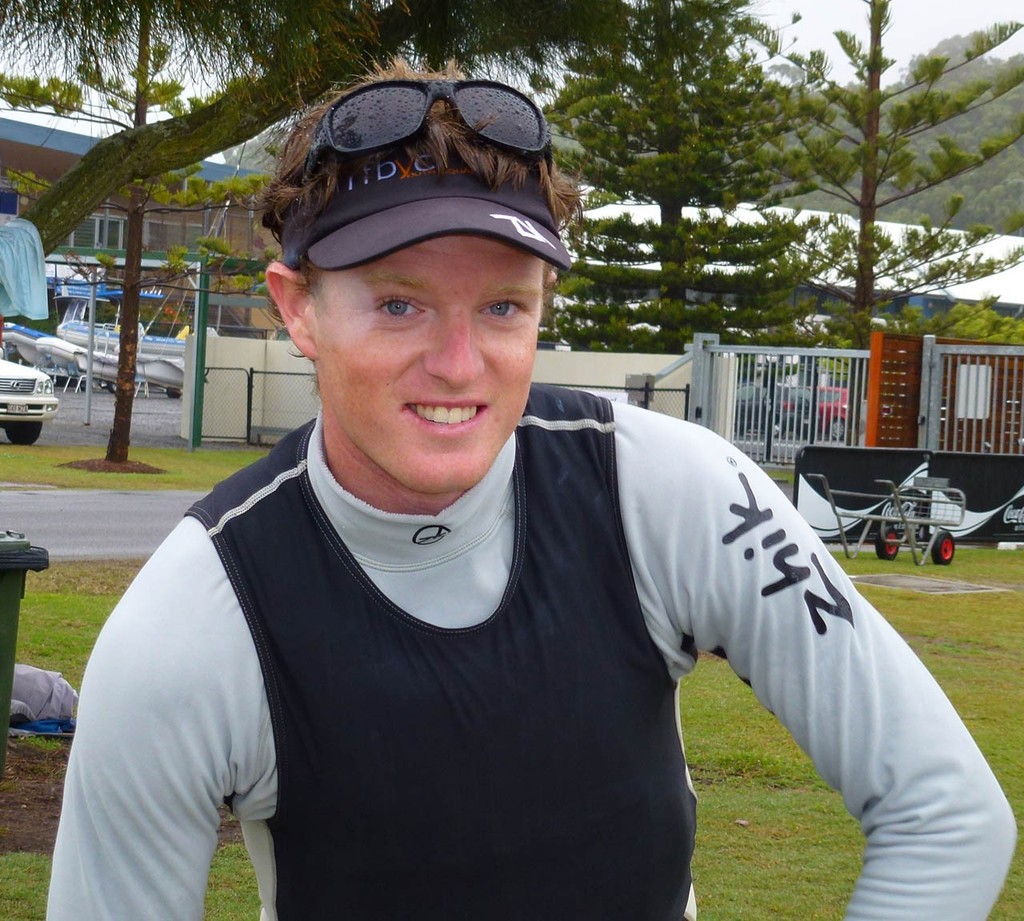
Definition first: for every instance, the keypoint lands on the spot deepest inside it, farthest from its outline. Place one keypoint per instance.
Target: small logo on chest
(430, 534)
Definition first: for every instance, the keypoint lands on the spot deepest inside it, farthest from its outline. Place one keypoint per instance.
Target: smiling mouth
(445, 415)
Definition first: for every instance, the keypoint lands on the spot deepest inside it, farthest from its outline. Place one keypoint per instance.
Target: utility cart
(916, 515)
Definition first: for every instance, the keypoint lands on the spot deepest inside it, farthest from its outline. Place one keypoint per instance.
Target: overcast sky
(917, 25)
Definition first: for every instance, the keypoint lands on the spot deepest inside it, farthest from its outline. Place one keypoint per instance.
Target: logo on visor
(430, 534)
(524, 228)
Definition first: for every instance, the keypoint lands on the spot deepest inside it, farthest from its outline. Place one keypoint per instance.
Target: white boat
(104, 365)
(21, 339)
(52, 351)
(74, 328)
(166, 373)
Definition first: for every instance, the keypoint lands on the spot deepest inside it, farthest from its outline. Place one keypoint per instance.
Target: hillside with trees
(993, 194)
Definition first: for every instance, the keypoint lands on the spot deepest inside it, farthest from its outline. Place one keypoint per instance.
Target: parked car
(833, 404)
(751, 409)
(792, 411)
(787, 406)
(26, 402)
(800, 405)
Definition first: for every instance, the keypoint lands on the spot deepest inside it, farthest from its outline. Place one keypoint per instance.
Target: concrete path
(93, 524)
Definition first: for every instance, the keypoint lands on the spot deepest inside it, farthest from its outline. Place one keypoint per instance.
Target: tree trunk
(864, 290)
(127, 358)
(124, 394)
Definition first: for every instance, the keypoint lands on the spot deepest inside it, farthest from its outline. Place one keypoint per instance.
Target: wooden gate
(894, 391)
(945, 394)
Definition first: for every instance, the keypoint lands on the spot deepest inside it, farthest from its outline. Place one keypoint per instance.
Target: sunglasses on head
(382, 115)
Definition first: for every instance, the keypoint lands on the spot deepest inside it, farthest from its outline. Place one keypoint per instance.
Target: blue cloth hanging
(22, 271)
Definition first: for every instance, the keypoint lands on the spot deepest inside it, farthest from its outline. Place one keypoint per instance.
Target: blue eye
(501, 309)
(398, 308)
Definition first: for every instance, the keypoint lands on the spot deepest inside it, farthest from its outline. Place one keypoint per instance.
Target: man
(428, 649)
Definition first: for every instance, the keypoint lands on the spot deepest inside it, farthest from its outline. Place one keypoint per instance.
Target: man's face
(424, 359)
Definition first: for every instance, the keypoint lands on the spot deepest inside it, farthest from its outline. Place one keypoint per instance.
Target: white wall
(282, 403)
(597, 369)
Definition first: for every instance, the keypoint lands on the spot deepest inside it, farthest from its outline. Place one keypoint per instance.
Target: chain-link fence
(281, 401)
(226, 404)
(256, 407)
(670, 401)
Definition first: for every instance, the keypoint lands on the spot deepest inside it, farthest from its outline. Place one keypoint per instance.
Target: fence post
(199, 371)
(249, 378)
(930, 401)
(702, 376)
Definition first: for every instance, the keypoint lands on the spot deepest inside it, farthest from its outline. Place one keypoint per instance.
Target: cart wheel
(887, 544)
(943, 548)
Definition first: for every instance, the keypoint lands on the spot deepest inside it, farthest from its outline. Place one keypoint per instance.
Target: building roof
(77, 145)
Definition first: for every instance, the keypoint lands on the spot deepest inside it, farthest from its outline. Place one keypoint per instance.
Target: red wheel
(887, 544)
(943, 548)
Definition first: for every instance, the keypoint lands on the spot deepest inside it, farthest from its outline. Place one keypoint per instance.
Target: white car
(26, 402)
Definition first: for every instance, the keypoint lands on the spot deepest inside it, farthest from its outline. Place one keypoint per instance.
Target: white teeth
(444, 415)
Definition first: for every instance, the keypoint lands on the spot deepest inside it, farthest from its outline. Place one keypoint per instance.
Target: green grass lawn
(43, 465)
(773, 840)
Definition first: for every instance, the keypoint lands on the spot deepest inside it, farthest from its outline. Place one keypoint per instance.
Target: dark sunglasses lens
(377, 117)
(501, 116)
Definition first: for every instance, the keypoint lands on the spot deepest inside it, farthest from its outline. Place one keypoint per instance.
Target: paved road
(99, 524)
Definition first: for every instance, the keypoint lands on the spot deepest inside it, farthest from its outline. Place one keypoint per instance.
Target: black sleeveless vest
(526, 769)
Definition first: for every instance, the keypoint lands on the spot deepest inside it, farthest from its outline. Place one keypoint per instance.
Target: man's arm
(722, 557)
(168, 725)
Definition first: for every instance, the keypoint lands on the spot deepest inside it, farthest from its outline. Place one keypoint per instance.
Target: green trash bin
(17, 556)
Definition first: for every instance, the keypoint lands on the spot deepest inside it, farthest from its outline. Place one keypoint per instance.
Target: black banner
(992, 484)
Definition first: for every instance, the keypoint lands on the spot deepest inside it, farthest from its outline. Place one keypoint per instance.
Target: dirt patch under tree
(30, 797)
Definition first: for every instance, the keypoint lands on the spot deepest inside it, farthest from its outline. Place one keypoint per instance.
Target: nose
(453, 354)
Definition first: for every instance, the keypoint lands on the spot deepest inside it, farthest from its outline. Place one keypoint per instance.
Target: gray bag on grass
(40, 695)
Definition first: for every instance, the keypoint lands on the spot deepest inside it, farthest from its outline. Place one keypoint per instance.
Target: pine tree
(674, 117)
(856, 145)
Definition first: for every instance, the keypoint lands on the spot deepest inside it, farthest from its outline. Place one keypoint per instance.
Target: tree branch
(161, 146)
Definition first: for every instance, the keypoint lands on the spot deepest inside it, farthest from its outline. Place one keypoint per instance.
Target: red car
(793, 408)
(833, 403)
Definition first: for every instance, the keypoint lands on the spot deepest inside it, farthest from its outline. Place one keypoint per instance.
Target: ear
(295, 302)
(548, 305)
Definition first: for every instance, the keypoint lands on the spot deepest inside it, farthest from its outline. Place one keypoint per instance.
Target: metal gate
(972, 397)
(770, 402)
